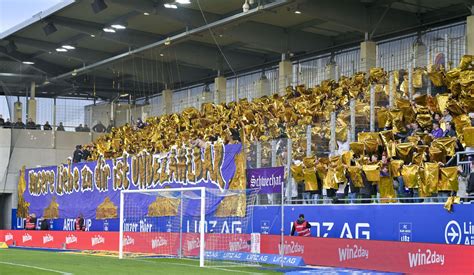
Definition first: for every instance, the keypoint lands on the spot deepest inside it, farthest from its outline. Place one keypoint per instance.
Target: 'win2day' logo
(27, 237)
(427, 257)
(97, 239)
(8, 237)
(47, 238)
(350, 253)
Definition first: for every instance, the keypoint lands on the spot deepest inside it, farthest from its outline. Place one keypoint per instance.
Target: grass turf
(20, 261)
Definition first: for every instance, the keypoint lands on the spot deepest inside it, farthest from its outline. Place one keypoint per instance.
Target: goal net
(204, 224)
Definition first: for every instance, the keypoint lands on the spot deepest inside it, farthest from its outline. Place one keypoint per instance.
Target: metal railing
(462, 159)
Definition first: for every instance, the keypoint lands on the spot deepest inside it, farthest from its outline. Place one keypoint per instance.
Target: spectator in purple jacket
(436, 132)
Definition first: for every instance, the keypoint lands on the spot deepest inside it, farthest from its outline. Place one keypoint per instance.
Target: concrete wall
(32, 148)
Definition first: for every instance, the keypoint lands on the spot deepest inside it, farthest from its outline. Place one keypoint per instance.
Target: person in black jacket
(19, 124)
(8, 124)
(450, 130)
(470, 183)
(79, 223)
(86, 153)
(47, 127)
(78, 155)
(44, 225)
(60, 127)
(99, 128)
(31, 125)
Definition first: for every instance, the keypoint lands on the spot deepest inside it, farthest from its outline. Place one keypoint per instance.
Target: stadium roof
(174, 47)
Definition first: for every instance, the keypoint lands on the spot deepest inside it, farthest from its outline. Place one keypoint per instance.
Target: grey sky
(13, 12)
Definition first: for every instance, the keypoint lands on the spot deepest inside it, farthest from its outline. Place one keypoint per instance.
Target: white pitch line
(36, 267)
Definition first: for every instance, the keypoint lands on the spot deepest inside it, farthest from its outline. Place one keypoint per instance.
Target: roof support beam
(82, 54)
(175, 38)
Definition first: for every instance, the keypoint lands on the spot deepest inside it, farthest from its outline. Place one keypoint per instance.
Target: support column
(372, 108)
(167, 101)
(54, 115)
(220, 87)
(207, 95)
(391, 90)
(420, 52)
(332, 141)
(32, 102)
(263, 86)
(353, 119)
(331, 71)
(17, 111)
(308, 140)
(368, 55)
(285, 74)
(470, 33)
(410, 80)
(112, 112)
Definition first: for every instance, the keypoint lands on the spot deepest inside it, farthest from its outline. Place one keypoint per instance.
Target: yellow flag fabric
(424, 120)
(309, 162)
(355, 173)
(321, 170)
(404, 150)
(446, 143)
(382, 117)
(297, 172)
(372, 172)
(395, 167)
(431, 173)
(437, 154)
(386, 137)
(461, 122)
(411, 176)
(338, 169)
(346, 157)
(448, 179)
(310, 180)
(417, 158)
(468, 136)
(386, 189)
(357, 148)
(396, 116)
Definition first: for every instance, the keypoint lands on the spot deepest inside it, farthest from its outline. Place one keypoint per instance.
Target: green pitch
(19, 261)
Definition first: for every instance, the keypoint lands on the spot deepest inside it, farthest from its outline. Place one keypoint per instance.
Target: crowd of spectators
(31, 125)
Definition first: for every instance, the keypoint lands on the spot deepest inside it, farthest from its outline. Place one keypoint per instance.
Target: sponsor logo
(193, 244)
(291, 248)
(360, 230)
(427, 257)
(455, 234)
(355, 252)
(71, 239)
(8, 237)
(27, 237)
(214, 226)
(129, 241)
(47, 238)
(452, 233)
(97, 239)
(158, 242)
(405, 233)
(239, 245)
